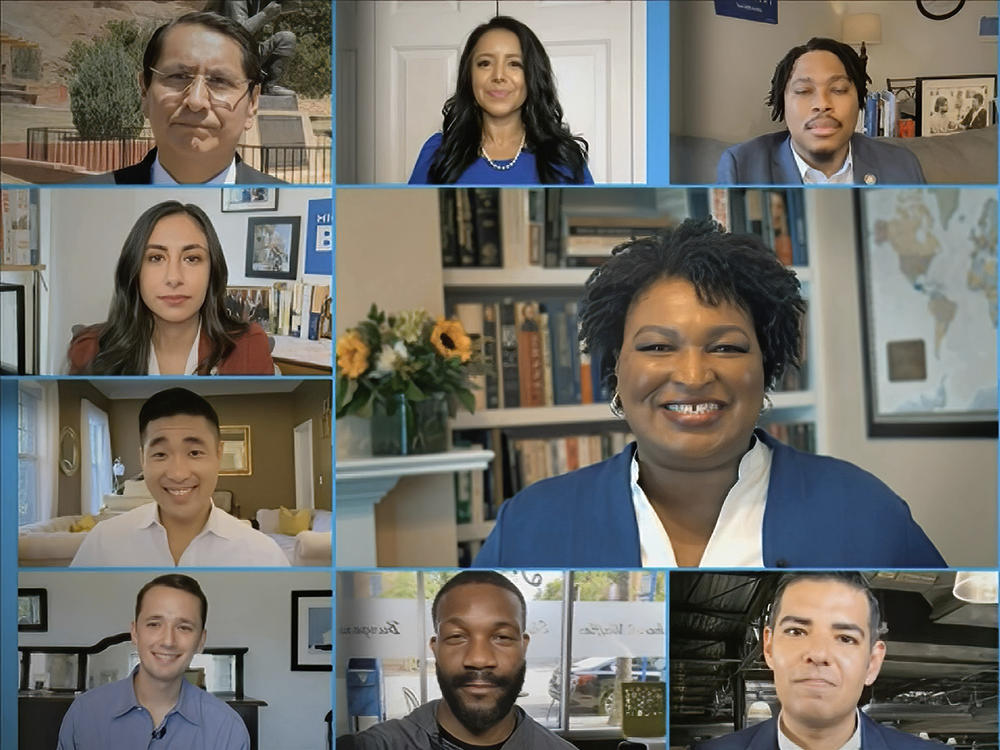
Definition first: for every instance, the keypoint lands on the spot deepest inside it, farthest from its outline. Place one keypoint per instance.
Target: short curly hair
(734, 268)
(851, 60)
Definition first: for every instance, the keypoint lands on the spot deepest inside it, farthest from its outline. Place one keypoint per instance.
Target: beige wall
(70, 393)
(950, 484)
(711, 97)
(307, 403)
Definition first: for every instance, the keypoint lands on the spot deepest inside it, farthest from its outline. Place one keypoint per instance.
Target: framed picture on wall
(236, 450)
(312, 631)
(32, 610)
(951, 104)
(928, 278)
(249, 199)
(273, 247)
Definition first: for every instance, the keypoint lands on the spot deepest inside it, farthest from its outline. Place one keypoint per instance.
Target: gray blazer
(768, 160)
(141, 174)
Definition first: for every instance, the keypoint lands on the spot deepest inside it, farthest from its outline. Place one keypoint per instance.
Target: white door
(303, 447)
(406, 55)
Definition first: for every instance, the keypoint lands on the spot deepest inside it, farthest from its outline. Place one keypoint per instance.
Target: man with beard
(479, 647)
(818, 89)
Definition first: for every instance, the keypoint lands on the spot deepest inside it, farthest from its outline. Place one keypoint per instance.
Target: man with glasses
(200, 83)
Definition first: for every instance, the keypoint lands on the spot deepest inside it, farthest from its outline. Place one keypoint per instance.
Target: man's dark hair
(220, 24)
(850, 59)
(490, 577)
(174, 401)
(979, 98)
(722, 267)
(855, 581)
(177, 581)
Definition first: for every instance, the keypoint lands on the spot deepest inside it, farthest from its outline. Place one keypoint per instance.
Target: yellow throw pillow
(291, 522)
(86, 523)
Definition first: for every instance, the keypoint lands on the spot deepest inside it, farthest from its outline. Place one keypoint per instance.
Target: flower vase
(403, 427)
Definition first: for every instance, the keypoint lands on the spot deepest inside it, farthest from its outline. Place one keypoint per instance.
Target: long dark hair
(560, 157)
(126, 336)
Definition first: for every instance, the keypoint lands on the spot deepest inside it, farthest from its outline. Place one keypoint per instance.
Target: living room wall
(712, 98)
(308, 401)
(70, 393)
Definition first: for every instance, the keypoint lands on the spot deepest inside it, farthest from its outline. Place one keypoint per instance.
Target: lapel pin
(870, 179)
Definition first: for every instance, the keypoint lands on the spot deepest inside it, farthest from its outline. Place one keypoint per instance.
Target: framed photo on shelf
(312, 631)
(273, 247)
(951, 104)
(250, 304)
(32, 610)
(239, 199)
(927, 275)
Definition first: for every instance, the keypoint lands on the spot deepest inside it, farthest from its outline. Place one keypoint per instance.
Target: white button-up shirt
(736, 538)
(810, 176)
(853, 743)
(160, 176)
(138, 539)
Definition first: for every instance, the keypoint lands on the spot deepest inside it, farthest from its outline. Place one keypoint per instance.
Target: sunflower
(352, 354)
(451, 340)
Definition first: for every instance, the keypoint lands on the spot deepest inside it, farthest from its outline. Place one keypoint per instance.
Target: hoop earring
(616, 406)
(766, 406)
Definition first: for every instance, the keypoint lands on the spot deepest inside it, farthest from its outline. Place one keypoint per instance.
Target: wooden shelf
(11, 267)
(530, 415)
(503, 278)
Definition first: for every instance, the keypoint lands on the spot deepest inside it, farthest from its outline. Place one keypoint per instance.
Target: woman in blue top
(503, 125)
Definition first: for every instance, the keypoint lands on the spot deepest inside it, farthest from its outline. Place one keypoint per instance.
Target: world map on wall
(932, 281)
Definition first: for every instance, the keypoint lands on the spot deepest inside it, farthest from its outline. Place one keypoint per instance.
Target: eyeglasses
(222, 91)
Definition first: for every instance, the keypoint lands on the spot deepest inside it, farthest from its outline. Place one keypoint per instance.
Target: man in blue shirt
(155, 707)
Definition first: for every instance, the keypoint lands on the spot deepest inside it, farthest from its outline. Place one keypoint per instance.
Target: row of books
(19, 239)
(799, 435)
(776, 215)
(521, 462)
(284, 308)
(470, 227)
(531, 353)
(881, 116)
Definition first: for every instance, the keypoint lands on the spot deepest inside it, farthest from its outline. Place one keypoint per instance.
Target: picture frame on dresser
(947, 104)
(32, 610)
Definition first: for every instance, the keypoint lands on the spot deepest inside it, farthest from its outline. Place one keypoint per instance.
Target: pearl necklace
(502, 167)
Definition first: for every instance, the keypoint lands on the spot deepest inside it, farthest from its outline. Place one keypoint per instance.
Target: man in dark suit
(975, 117)
(821, 642)
(818, 89)
(200, 83)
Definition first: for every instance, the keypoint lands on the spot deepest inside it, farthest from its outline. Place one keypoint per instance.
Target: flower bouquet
(407, 372)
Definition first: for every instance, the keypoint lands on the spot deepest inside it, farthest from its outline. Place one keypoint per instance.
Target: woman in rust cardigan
(168, 313)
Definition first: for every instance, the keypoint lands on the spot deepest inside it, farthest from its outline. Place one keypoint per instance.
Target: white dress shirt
(138, 539)
(853, 743)
(161, 176)
(810, 176)
(736, 538)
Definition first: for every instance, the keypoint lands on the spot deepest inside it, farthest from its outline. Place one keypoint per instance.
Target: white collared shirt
(810, 176)
(736, 538)
(853, 743)
(138, 539)
(160, 176)
(190, 367)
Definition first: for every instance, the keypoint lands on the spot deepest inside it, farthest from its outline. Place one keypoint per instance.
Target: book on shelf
(470, 227)
(471, 316)
(797, 378)
(590, 239)
(799, 435)
(776, 215)
(285, 308)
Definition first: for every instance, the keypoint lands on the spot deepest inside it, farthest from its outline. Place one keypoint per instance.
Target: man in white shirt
(821, 642)
(180, 453)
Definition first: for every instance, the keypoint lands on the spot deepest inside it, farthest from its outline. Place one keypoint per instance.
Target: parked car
(592, 681)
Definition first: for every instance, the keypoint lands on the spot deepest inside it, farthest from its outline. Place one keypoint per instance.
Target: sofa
(966, 158)
(309, 548)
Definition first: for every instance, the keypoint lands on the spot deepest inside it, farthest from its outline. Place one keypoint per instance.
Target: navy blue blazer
(820, 513)
(142, 174)
(768, 160)
(764, 736)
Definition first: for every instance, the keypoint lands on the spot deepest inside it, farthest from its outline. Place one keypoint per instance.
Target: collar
(149, 515)
(160, 176)
(190, 366)
(811, 176)
(853, 742)
(124, 700)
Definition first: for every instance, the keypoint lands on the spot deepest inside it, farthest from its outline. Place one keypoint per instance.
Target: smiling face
(480, 656)
(180, 462)
(175, 271)
(168, 632)
(690, 378)
(195, 137)
(821, 109)
(498, 73)
(822, 655)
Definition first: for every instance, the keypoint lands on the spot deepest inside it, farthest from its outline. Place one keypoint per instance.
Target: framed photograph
(312, 631)
(236, 453)
(249, 199)
(928, 277)
(950, 104)
(32, 610)
(250, 304)
(273, 247)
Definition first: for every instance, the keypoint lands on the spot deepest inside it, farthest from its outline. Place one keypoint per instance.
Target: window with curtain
(37, 411)
(96, 477)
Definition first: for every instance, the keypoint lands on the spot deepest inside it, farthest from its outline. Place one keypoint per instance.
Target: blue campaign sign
(765, 11)
(319, 237)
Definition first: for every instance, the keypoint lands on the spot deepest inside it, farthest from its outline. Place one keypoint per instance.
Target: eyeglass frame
(212, 98)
